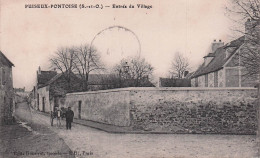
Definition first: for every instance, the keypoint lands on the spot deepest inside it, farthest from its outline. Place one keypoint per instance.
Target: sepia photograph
(130, 79)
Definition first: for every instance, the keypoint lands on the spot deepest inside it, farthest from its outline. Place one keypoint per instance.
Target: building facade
(223, 66)
(6, 90)
(50, 90)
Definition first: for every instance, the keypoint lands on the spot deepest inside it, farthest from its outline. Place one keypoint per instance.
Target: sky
(30, 36)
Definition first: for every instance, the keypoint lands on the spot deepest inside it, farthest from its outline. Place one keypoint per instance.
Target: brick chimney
(215, 45)
(250, 29)
(39, 70)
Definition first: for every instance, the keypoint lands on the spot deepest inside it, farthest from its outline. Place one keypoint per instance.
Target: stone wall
(222, 111)
(2, 106)
(106, 106)
(44, 100)
(6, 94)
(172, 110)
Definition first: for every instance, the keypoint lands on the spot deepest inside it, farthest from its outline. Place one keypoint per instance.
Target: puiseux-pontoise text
(81, 6)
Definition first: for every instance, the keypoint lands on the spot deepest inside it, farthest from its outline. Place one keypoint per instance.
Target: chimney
(215, 45)
(39, 70)
(250, 27)
(186, 73)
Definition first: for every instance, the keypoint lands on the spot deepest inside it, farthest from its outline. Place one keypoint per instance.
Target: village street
(89, 142)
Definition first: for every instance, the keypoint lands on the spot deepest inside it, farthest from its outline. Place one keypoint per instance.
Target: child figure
(58, 117)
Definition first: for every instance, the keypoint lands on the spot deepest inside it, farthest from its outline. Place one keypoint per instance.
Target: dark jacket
(69, 115)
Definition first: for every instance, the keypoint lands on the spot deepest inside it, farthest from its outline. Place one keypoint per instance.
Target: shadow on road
(29, 139)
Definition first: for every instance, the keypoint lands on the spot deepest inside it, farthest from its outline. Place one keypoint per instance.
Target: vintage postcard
(129, 78)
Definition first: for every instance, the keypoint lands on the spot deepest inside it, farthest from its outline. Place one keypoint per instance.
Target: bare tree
(63, 60)
(247, 12)
(135, 71)
(86, 60)
(179, 65)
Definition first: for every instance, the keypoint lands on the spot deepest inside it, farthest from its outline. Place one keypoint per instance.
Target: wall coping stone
(164, 89)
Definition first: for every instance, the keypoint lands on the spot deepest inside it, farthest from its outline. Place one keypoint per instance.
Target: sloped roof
(174, 82)
(219, 58)
(53, 79)
(5, 60)
(45, 76)
(189, 75)
(102, 79)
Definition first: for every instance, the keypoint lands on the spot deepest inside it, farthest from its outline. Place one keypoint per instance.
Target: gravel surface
(88, 142)
(33, 140)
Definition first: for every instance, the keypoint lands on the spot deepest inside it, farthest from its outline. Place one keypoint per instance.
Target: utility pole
(258, 87)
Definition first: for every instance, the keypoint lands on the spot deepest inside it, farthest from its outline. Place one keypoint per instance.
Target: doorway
(79, 108)
(43, 104)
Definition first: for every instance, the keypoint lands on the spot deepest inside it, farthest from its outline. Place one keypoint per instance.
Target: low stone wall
(172, 110)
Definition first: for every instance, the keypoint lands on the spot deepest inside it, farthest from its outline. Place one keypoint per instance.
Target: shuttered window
(3, 76)
(206, 80)
(216, 79)
(196, 82)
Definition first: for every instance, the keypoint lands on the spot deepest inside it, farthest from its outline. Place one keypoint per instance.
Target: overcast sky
(29, 37)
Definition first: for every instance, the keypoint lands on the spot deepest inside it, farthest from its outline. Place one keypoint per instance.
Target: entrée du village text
(81, 6)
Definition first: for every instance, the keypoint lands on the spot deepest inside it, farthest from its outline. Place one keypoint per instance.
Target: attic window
(228, 52)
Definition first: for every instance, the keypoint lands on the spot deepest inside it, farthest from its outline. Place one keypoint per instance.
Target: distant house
(185, 81)
(174, 82)
(51, 89)
(103, 81)
(222, 65)
(21, 92)
(42, 77)
(111, 81)
(6, 90)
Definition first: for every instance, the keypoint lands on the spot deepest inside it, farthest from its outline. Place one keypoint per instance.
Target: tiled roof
(219, 57)
(174, 82)
(5, 60)
(189, 75)
(53, 78)
(102, 79)
(45, 76)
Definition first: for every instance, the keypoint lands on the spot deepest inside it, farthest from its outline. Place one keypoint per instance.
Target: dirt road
(89, 142)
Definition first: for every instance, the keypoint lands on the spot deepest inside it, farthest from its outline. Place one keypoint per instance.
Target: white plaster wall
(211, 79)
(193, 82)
(221, 76)
(201, 81)
(44, 92)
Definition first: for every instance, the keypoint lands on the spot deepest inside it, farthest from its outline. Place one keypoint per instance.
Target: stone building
(42, 77)
(51, 88)
(6, 90)
(112, 81)
(174, 82)
(222, 65)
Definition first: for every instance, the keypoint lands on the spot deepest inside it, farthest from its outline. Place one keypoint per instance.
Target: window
(3, 76)
(196, 82)
(206, 80)
(38, 99)
(216, 79)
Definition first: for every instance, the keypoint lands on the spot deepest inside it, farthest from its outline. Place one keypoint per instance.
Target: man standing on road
(69, 118)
